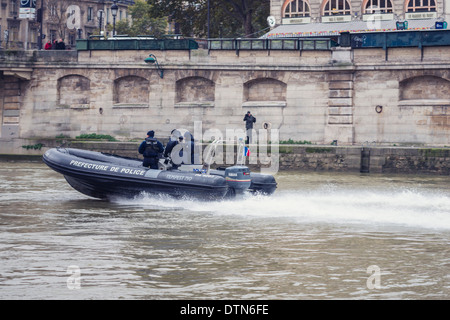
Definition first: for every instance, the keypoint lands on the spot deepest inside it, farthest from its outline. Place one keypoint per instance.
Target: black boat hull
(104, 176)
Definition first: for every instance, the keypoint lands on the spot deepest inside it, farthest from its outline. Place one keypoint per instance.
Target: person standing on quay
(249, 120)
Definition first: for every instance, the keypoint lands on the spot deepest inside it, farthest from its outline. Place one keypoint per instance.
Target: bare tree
(57, 16)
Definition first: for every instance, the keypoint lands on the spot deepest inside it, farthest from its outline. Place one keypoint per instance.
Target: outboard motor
(238, 179)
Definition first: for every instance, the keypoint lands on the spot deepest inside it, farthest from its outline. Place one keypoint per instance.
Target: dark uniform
(190, 147)
(249, 120)
(186, 153)
(151, 148)
(168, 150)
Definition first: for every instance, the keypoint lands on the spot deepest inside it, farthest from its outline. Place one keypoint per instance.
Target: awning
(329, 29)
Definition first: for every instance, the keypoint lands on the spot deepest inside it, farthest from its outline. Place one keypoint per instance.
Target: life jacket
(151, 148)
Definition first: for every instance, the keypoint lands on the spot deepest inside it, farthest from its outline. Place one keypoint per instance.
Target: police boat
(106, 176)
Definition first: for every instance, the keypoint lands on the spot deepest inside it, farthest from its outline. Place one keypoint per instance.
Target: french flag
(246, 152)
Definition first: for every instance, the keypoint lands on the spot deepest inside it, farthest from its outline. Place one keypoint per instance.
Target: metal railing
(271, 44)
(392, 39)
(396, 39)
(135, 43)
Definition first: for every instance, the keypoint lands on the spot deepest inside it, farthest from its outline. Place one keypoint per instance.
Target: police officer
(190, 147)
(175, 139)
(151, 148)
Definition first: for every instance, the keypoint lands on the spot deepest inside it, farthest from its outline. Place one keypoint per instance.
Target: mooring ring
(379, 109)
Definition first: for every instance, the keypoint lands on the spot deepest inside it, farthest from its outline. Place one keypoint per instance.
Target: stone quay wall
(351, 96)
(320, 158)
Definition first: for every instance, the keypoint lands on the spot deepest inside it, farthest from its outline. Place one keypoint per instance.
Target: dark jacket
(151, 148)
(60, 45)
(190, 150)
(249, 120)
(170, 145)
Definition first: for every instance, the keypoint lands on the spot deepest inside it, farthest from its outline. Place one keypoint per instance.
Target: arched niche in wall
(424, 106)
(263, 90)
(131, 92)
(266, 99)
(424, 90)
(74, 91)
(195, 91)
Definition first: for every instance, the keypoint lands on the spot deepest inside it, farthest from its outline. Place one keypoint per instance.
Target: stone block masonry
(392, 160)
(349, 95)
(10, 102)
(331, 158)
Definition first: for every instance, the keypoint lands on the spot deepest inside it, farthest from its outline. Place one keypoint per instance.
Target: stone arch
(424, 87)
(265, 89)
(265, 97)
(195, 89)
(131, 90)
(74, 91)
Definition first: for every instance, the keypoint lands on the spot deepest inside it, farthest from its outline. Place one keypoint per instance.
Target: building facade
(61, 19)
(324, 17)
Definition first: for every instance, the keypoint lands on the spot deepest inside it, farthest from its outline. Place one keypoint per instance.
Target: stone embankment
(376, 159)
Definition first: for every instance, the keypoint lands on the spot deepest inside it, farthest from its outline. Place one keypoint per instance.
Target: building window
(296, 8)
(53, 35)
(33, 35)
(90, 14)
(421, 6)
(378, 6)
(13, 28)
(13, 34)
(336, 7)
(53, 10)
(13, 8)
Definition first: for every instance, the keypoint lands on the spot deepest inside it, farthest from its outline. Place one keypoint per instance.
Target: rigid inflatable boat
(106, 176)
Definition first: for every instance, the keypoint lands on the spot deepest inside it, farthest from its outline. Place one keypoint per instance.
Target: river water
(320, 236)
